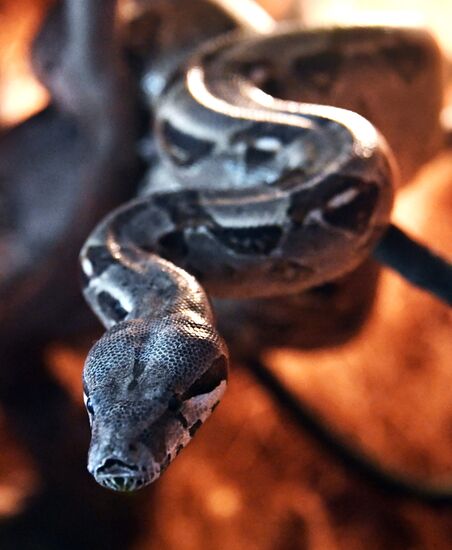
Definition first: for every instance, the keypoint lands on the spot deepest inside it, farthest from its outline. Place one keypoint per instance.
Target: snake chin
(119, 476)
(119, 468)
(124, 479)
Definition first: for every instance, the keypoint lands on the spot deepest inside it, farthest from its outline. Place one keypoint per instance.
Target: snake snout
(118, 475)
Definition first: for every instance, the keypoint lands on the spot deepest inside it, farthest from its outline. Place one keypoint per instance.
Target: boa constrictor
(253, 196)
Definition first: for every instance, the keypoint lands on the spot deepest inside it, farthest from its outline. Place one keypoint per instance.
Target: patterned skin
(255, 197)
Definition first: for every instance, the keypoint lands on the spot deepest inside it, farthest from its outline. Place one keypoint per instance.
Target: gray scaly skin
(268, 198)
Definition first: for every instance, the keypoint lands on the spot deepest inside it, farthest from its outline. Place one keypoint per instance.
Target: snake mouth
(123, 484)
(119, 476)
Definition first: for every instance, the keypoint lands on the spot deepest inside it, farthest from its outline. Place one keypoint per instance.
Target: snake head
(147, 390)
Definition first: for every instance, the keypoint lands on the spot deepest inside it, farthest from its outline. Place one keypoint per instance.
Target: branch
(416, 263)
(358, 463)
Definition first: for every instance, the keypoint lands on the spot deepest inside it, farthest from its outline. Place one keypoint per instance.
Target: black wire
(350, 457)
(416, 263)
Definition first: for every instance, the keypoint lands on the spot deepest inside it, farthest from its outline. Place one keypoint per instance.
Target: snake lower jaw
(126, 478)
(118, 475)
(123, 484)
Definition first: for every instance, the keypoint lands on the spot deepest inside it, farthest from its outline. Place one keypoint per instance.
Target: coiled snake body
(253, 197)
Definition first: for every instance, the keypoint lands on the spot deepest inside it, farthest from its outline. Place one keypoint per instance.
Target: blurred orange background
(251, 479)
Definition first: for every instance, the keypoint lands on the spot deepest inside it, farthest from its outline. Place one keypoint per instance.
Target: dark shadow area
(69, 510)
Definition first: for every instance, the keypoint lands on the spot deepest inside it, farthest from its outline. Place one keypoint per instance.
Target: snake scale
(254, 195)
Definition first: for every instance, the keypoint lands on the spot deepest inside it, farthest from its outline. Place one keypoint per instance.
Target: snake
(254, 196)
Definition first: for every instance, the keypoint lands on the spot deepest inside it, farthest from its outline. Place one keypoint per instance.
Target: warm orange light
(433, 14)
(223, 501)
(20, 94)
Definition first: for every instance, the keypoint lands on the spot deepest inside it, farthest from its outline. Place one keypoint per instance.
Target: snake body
(253, 197)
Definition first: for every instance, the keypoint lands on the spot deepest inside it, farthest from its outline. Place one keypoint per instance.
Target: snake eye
(88, 405)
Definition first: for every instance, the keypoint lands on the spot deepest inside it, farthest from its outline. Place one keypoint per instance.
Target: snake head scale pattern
(139, 420)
